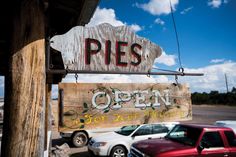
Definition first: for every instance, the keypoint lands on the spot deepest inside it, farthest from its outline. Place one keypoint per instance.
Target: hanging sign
(104, 105)
(106, 48)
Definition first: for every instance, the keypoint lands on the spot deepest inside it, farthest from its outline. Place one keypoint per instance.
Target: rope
(176, 35)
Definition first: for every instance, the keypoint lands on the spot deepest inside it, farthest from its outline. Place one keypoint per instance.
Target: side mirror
(133, 136)
(202, 145)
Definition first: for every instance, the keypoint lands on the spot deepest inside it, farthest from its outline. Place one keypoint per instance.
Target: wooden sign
(104, 105)
(106, 48)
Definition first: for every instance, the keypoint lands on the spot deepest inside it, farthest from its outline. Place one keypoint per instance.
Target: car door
(213, 145)
(159, 130)
(231, 138)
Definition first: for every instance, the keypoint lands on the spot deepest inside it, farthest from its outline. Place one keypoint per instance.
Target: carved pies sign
(104, 105)
(106, 48)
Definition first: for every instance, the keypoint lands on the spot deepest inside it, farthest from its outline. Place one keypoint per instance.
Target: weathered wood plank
(135, 54)
(104, 105)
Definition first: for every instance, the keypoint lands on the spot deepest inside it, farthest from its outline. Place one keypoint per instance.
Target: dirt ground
(204, 114)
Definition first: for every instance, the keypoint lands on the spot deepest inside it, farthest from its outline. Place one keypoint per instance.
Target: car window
(127, 130)
(184, 134)
(157, 128)
(212, 139)
(231, 138)
(144, 130)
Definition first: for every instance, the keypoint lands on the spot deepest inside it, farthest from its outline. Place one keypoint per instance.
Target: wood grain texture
(80, 113)
(23, 130)
(72, 47)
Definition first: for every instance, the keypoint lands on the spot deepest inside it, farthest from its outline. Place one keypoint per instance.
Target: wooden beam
(24, 109)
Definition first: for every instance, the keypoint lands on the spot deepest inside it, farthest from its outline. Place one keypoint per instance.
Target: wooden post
(23, 131)
(48, 111)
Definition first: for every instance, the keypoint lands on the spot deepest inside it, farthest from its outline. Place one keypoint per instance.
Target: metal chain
(76, 77)
(176, 79)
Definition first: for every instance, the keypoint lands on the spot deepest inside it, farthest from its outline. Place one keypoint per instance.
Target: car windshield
(184, 134)
(127, 130)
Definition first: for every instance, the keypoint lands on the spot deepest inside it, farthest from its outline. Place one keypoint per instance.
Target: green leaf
(69, 113)
(85, 105)
(106, 110)
(81, 120)
(85, 110)
(151, 97)
(153, 108)
(81, 126)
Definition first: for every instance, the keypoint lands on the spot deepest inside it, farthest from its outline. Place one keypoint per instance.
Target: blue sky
(207, 35)
(206, 32)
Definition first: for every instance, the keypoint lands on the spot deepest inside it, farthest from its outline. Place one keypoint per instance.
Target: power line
(176, 35)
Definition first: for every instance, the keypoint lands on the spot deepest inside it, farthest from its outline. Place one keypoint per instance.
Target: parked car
(227, 123)
(117, 144)
(189, 140)
(80, 138)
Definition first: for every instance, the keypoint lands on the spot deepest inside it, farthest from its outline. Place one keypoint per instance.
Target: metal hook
(148, 74)
(176, 80)
(182, 71)
(76, 77)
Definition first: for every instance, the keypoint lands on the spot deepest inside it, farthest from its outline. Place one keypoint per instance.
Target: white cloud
(159, 21)
(108, 78)
(225, 1)
(215, 3)
(158, 7)
(54, 91)
(135, 27)
(104, 15)
(213, 79)
(217, 61)
(166, 59)
(186, 10)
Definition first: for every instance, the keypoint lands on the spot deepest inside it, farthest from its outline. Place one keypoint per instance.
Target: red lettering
(120, 53)
(108, 52)
(89, 51)
(135, 54)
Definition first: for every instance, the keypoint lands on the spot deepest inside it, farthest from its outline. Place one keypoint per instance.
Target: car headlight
(99, 144)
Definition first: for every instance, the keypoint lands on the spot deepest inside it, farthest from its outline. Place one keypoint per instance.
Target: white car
(227, 123)
(117, 144)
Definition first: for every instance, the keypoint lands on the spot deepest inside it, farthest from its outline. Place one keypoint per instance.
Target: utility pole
(226, 83)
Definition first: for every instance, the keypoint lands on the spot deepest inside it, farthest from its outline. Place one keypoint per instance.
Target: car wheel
(79, 139)
(118, 151)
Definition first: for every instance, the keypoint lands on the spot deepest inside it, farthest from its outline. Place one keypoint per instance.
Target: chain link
(76, 77)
